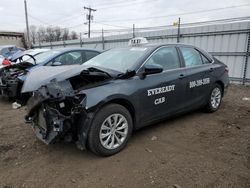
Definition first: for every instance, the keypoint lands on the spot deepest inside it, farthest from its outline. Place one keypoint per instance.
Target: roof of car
(73, 49)
(6, 46)
(166, 44)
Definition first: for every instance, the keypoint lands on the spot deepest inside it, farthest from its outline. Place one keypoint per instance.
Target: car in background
(21, 56)
(27, 55)
(12, 77)
(100, 103)
(7, 51)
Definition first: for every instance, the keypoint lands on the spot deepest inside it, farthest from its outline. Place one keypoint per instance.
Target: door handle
(181, 76)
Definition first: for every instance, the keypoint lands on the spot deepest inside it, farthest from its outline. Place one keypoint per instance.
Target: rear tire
(214, 99)
(110, 130)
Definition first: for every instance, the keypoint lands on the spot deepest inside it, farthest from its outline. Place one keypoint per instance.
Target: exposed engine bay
(54, 109)
(10, 84)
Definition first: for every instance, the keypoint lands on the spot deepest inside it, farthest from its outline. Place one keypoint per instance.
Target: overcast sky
(70, 13)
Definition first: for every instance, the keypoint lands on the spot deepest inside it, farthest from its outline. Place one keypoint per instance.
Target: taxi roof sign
(137, 41)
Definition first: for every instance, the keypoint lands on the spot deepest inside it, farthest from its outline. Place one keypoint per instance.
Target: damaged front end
(11, 80)
(57, 110)
(53, 111)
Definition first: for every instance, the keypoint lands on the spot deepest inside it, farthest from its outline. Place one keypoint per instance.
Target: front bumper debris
(49, 125)
(53, 111)
(9, 88)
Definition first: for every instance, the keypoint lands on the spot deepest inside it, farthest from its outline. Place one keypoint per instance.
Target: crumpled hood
(44, 74)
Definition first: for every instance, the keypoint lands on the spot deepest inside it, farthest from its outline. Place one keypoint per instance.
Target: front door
(163, 93)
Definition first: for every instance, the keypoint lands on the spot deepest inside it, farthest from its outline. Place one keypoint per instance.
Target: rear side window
(167, 57)
(204, 59)
(5, 52)
(90, 54)
(70, 58)
(191, 57)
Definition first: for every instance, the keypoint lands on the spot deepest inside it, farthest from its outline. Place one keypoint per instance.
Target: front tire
(110, 130)
(214, 99)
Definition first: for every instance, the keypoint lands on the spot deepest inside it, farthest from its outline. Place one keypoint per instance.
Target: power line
(155, 17)
(112, 3)
(130, 4)
(68, 18)
(218, 21)
(180, 14)
(111, 25)
(77, 15)
(39, 20)
(198, 23)
(162, 27)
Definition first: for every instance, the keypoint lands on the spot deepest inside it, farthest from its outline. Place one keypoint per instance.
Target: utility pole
(80, 39)
(89, 17)
(27, 23)
(178, 35)
(133, 30)
(103, 47)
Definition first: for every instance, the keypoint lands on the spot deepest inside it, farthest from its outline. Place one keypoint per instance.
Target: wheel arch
(125, 103)
(87, 120)
(222, 85)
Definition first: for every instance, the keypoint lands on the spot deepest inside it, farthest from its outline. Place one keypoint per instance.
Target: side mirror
(152, 69)
(57, 63)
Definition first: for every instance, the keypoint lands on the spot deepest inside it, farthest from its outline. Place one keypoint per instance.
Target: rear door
(198, 75)
(163, 92)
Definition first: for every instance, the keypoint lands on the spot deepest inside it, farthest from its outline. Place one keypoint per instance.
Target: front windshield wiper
(94, 69)
(127, 74)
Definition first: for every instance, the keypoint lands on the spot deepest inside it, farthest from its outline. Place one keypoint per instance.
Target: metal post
(133, 30)
(27, 23)
(80, 39)
(39, 39)
(246, 59)
(102, 39)
(50, 44)
(178, 35)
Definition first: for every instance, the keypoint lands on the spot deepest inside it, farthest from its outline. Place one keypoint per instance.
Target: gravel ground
(194, 150)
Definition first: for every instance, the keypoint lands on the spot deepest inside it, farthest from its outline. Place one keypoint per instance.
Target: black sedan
(124, 89)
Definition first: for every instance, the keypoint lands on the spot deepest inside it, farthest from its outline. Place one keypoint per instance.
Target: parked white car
(26, 55)
(22, 56)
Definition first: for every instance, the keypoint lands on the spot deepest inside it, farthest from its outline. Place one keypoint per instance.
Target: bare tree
(65, 35)
(33, 33)
(58, 33)
(41, 34)
(73, 35)
(50, 34)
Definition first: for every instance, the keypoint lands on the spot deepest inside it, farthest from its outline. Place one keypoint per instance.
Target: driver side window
(167, 57)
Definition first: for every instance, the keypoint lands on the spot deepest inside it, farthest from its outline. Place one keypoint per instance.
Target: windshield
(40, 58)
(121, 59)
